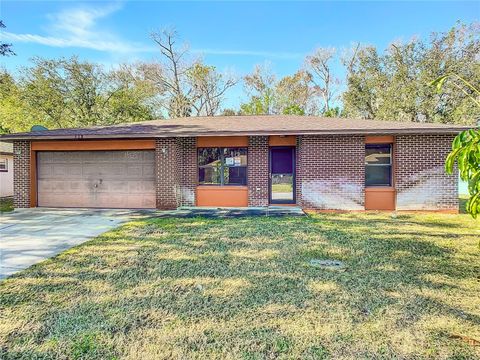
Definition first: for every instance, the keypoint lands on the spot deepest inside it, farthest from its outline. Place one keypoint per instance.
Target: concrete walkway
(29, 236)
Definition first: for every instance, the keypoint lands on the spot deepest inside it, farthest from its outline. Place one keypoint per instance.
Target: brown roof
(241, 125)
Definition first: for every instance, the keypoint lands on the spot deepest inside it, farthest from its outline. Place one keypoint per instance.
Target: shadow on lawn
(183, 268)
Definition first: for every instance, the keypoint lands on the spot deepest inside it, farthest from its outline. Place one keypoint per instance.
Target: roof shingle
(241, 125)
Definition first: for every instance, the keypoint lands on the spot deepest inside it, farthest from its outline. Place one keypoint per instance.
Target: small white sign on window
(229, 161)
(238, 161)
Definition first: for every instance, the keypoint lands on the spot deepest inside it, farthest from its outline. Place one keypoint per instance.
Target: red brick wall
(258, 171)
(331, 172)
(176, 169)
(21, 174)
(298, 173)
(188, 170)
(420, 178)
(168, 174)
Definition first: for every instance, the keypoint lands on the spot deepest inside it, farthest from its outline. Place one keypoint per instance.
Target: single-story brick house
(226, 161)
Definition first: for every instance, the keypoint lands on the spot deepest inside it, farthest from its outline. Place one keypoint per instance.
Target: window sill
(379, 188)
(223, 187)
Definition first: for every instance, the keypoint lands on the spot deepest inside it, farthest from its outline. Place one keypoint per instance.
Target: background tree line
(387, 85)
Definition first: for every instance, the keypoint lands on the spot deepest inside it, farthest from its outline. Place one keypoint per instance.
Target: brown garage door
(98, 179)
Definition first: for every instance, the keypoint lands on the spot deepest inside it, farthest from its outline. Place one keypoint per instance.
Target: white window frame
(4, 162)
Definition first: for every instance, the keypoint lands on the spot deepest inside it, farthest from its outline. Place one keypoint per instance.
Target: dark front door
(282, 175)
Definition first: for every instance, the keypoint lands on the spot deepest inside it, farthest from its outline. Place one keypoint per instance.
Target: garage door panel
(133, 156)
(45, 171)
(60, 156)
(149, 156)
(107, 200)
(140, 202)
(134, 170)
(67, 200)
(141, 187)
(101, 156)
(149, 202)
(114, 186)
(43, 186)
(106, 170)
(103, 179)
(63, 170)
(148, 171)
(59, 187)
(79, 185)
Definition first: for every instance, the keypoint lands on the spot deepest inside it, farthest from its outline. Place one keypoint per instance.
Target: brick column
(188, 170)
(331, 172)
(420, 178)
(298, 171)
(258, 171)
(167, 173)
(21, 174)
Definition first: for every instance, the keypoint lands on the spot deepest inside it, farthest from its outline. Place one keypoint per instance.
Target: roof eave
(430, 131)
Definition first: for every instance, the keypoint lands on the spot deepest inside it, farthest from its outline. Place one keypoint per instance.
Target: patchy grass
(6, 204)
(242, 289)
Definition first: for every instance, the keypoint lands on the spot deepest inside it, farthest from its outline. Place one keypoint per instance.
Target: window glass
(209, 156)
(378, 176)
(3, 165)
(209, 175)
(377, 154)
(235, 156)
(222, 166)
(378, 165)
(235, 175)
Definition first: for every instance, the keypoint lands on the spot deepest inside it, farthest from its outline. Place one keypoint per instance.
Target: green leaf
(450, 162)
(474, 182)
(438, 82)
(457, 142)
(473, 205)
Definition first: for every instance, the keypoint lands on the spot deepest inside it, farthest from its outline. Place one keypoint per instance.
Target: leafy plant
(465, 146)
(394, 84)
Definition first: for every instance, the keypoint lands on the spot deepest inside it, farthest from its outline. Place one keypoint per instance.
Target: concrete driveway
(29, 236)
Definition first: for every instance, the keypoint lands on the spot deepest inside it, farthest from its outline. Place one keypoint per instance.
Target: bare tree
(292, 94)
(170, 75)
(260, 86)
(295, 94)
(209, 87)
(185, 86)
(319, 65)
(349, 56)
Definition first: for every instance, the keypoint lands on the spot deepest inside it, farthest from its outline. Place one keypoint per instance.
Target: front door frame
(294, 174)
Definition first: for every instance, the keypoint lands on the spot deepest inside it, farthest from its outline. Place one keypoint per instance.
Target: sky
(233, 36)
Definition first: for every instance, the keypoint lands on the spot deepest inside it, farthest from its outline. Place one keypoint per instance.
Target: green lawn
(243, 289)
(281, 188)
(6, 204)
